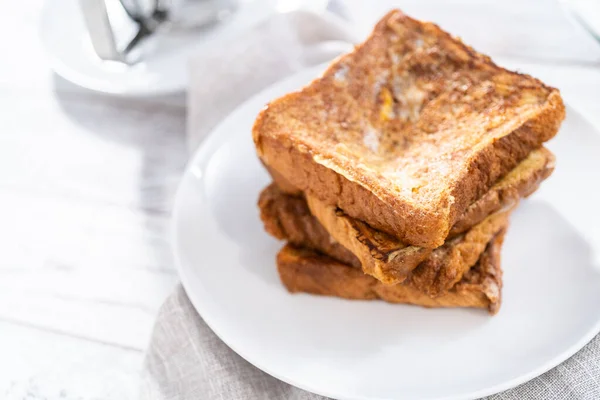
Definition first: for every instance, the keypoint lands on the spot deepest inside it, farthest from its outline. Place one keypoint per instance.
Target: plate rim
(204, 151)
(82, 80)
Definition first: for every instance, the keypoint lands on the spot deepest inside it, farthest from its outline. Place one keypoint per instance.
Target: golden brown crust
(381, 255)
(521, 182)
(391, 261)
(283, 184)
(469, 122)
(302, 270)
(518, 183)
(447, 264)
(487, 276)
(288, 217)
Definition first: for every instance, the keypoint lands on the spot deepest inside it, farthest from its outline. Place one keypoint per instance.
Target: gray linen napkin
(185, 360)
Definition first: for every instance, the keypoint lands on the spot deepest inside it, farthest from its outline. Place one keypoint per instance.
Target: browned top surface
(405, 113)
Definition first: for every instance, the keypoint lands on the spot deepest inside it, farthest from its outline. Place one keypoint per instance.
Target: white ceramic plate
(372, 350)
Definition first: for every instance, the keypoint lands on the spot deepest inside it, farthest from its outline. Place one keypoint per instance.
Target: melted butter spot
(371, 139)
(341, 74)
(380, 82)
(411, 99)
(387, 105)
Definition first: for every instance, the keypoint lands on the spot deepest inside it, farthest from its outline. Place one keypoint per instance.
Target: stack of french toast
(395, 172)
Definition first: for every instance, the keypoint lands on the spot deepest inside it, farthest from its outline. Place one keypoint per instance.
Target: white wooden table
(87, 181)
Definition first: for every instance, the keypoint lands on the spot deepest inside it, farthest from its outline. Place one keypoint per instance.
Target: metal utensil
(117, 27)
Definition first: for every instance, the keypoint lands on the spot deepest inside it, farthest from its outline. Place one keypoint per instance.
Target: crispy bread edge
(447, 265)
(391, 268)
(302, 270)
(289, 217)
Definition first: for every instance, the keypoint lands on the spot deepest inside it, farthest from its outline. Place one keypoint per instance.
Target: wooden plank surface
(87, 182)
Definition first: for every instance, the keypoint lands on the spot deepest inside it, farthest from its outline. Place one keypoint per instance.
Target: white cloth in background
(220, 80)
(185, 359)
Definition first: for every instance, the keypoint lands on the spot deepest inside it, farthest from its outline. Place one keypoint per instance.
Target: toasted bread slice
(408, 130)
(283, 184)
(391, 261)
(287, 217)
(303, 270)
(447, 264)
(521, 182)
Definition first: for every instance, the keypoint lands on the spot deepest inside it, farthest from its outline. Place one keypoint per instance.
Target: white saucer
(164, 70)
(372, 350)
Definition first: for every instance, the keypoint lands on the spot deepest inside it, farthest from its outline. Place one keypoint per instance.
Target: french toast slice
(408, 130)
(447, 264)
(288, 217)
(521, 182)
(353, 242)
(303, 270)
(391, 261)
